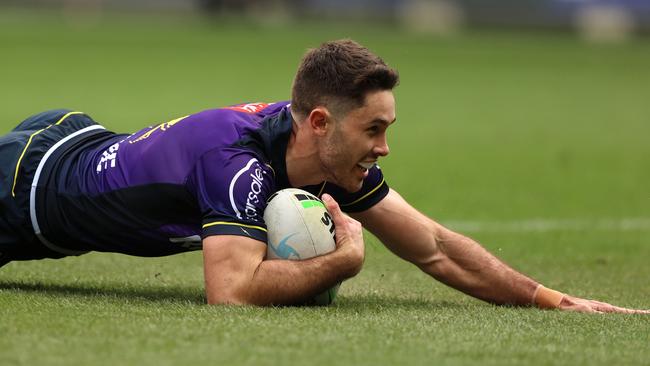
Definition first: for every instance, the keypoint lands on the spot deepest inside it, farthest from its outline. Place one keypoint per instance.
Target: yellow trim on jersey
(270, 167)
(233, 224)
(20, 159)
(365, 195)
(162, 127)
(321, 189)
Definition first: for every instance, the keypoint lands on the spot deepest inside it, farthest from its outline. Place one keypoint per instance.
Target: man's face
(357, 140)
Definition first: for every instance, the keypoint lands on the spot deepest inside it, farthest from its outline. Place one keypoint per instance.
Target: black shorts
(21, 151)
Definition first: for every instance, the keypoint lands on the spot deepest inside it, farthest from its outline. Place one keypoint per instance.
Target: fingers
(593, 306)
(618, 309)
(349, 232)
(340, 219)
(334, 209)
(609, 308)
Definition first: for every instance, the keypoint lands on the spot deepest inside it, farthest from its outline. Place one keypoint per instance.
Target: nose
(381, 149)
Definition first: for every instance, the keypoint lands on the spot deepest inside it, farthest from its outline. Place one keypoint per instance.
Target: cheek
(349, 146)
(367, 144)
(358, 149)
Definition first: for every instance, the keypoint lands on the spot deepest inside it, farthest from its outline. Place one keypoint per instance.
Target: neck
(303, 166)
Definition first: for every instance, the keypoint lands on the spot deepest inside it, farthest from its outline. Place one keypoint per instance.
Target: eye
(373, 129)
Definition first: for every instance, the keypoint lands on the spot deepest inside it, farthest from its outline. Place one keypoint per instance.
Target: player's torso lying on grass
(160, 190)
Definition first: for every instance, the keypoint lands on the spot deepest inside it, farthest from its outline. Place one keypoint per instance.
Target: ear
(319, 120)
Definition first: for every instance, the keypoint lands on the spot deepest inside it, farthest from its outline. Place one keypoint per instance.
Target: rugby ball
(299, 227)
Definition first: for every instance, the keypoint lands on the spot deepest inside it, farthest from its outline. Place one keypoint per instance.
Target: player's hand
(349, 233)
(571, 303)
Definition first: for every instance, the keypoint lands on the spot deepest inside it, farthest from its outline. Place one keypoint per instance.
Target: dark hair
(338, 75)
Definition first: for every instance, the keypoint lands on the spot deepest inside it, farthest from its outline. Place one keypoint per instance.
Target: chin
(352, 187)
(350, 183)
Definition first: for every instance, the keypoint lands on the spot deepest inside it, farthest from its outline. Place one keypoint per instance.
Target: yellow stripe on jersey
(20, 159)
(233, 224)
(321, 189)
(270, 167)
(162, 127)
(365, 195)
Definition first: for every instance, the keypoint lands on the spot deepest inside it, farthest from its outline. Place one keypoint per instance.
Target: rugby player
(68, 186)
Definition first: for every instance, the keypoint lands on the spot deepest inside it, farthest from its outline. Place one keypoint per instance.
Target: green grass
(496, 127)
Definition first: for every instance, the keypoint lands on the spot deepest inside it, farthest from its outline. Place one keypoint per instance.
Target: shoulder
(240, 113)
(199, 133)
(228, 125)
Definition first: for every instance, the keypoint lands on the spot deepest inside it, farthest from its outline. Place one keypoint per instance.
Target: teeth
(367, 165)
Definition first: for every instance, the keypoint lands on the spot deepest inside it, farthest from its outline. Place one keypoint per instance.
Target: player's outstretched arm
(462, 263)
(236, 272)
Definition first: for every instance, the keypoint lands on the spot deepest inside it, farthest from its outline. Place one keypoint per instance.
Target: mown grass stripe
(549, 225)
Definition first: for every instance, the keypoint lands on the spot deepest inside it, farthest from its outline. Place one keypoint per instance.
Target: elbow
(234, 298)
(228, 297)
(225, 300)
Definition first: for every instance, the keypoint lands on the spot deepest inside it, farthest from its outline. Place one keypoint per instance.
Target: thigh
(17, 238)
(18, 241)
(13, 144)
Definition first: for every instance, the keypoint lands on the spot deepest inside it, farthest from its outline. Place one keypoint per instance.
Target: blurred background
(597, 20)
(542, 104)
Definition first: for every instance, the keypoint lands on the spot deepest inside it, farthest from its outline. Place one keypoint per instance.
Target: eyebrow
(383, 121)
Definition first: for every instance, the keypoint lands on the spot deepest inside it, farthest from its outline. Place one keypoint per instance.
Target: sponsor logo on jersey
(249, 182)
(108, 158)
(248, 107)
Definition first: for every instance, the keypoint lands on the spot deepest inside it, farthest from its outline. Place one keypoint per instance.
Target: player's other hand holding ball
(349, 235)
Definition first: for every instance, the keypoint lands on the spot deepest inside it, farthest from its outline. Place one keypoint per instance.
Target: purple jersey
(160, 190)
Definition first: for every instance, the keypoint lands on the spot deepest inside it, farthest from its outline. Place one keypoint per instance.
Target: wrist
(546, 298)
(350, 260)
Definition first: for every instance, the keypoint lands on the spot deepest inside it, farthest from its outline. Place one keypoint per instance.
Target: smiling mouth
(366, 165)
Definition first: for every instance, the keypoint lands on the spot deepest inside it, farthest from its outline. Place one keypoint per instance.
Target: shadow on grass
(379, 302)
(184, 295)
(130, 293)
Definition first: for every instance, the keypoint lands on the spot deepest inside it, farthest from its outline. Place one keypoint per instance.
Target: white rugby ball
(299, 227)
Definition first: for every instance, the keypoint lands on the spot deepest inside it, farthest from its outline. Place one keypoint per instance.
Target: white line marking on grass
(547, 225)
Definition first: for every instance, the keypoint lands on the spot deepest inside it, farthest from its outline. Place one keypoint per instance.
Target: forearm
(462, 263)
(236, 272)
(465, 265)
(449, 257)
(285, 282)
(267, 282)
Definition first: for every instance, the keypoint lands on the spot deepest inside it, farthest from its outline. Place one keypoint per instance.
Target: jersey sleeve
(232, 192)
(373, 190)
